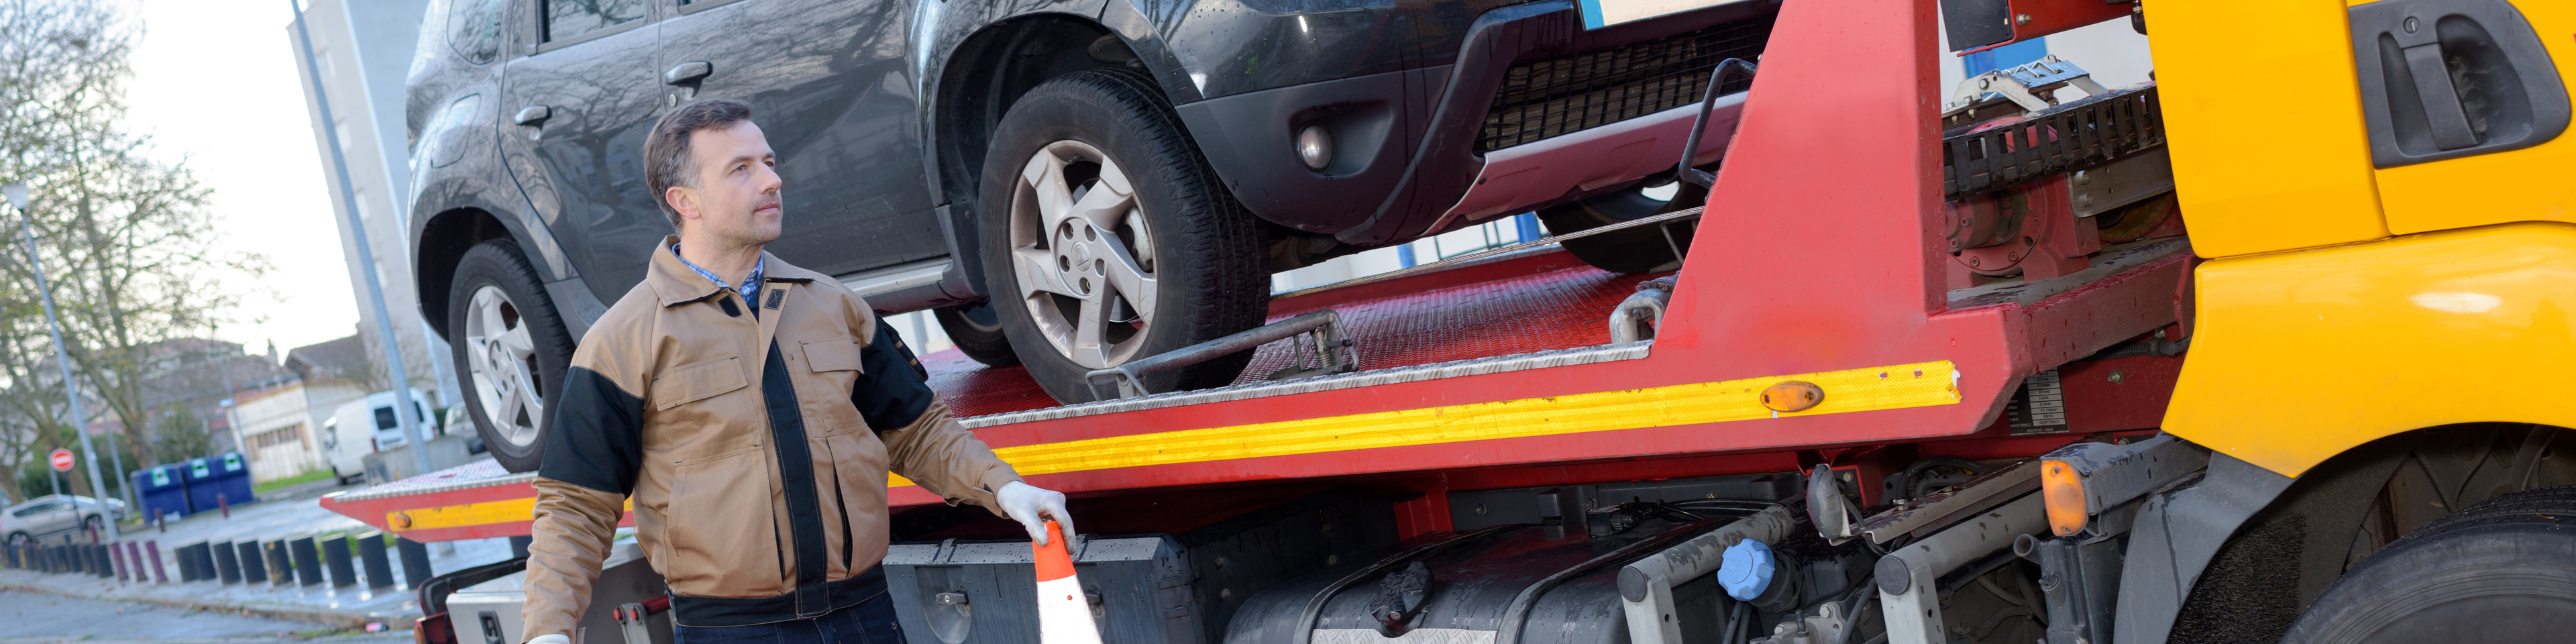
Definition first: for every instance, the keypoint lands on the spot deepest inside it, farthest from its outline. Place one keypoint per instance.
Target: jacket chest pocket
(697, 381)
(723, 540)
(834, 370)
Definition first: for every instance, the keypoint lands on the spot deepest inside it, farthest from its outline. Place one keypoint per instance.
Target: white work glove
(1032, 506)
(551, 638)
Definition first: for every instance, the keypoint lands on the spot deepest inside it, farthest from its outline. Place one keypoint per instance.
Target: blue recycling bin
(200, 473)
(232, 477)
(208, 476)
(164, 488)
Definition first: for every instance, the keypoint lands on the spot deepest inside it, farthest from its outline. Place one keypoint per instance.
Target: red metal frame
(1822, 252)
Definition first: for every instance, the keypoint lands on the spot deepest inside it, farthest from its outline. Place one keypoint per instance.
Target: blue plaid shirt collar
(750, 284)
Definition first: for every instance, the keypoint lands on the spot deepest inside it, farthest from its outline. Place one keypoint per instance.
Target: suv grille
(1540, 99)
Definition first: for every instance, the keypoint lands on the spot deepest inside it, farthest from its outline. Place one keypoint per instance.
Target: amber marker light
(2064, 492)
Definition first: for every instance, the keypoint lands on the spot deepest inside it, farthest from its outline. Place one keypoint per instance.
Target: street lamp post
(412, 424)
(17, 194)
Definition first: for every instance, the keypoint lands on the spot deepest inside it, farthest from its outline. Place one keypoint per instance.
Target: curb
(324, 616)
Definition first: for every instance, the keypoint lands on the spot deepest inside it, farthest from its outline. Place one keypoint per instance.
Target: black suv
(1072, 184)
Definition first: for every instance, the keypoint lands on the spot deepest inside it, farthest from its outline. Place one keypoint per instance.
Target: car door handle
(532, 115)
(688, 72)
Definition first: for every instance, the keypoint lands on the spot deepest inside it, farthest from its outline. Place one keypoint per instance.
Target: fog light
(1315, 147)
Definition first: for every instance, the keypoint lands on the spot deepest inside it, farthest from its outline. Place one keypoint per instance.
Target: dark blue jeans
(868, 622)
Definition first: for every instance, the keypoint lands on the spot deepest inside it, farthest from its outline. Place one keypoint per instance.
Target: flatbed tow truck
(1959, 367)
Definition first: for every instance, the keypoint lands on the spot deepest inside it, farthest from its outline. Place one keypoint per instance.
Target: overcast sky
(215, 84)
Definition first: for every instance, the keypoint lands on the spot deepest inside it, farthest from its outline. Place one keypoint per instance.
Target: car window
(569, 18)
(385, 419)
(474, 29)
(48, 506)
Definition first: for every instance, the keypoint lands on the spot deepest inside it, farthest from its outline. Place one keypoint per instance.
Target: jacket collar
(674, 284)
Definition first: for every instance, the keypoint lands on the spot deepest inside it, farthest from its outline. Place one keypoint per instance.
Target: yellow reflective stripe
(470, 514)
(1920, 384)
(1889, 387)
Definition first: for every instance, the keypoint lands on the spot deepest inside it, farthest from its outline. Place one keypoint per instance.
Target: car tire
(2499, 571)
(94, 525)
(1202, 252)
(977, 332)
(511, 348)
(1636, 250)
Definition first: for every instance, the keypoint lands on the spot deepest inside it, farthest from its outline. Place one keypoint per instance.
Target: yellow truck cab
(2382, 198)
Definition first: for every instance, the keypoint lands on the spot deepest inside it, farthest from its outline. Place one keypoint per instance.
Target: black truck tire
(1204, 252)
(489, 356)
(977, 332)
(1636, 250)
(2500, 571)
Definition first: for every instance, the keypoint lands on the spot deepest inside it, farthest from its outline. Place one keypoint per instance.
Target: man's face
(736, 196)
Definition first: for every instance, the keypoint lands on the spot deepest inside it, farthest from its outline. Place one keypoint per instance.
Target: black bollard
(200, 562)
(206, 561)
(415, 561)
(336, 553)
(252, 570)
(152, 551)
(117, 552)
(371, 553)
(308, 562)
(227, 562)
(281, 568)
(519, 546)
(106, 564)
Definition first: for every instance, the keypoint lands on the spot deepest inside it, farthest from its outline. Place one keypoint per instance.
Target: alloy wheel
(1083, 258)
(501, 358)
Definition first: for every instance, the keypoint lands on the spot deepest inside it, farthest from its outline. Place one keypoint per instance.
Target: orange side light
(2064, 492)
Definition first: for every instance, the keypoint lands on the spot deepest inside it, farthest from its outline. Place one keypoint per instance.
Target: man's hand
(1032, 506)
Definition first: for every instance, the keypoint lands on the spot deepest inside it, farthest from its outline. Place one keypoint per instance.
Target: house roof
(341, 359)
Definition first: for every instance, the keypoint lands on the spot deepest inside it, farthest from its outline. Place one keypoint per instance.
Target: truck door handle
(2448, 124)
(532, 115)
(2443, 79)
(688, 72)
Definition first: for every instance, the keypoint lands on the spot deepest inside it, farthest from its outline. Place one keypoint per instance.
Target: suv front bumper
(1535, 111)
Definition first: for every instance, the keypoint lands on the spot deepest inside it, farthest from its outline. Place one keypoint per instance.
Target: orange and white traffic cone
(1064, 616)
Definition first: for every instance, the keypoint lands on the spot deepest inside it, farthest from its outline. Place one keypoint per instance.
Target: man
(751, 410)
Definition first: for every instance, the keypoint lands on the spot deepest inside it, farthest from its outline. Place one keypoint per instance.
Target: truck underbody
(1909, 354)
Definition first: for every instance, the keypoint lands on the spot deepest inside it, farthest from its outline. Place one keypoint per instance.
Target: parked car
(1072, 184)
(361, 427)
(46, 516)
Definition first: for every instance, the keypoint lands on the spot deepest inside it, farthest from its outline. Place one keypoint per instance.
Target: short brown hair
(666, 150)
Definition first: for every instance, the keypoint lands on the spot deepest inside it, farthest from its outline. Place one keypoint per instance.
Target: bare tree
(129, 244)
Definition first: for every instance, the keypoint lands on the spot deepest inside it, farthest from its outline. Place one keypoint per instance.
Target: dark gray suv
(1072, 184)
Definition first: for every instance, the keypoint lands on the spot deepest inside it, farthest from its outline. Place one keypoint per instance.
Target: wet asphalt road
(28, 617)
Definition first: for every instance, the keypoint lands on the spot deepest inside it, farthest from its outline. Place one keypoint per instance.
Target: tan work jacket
(754, 443)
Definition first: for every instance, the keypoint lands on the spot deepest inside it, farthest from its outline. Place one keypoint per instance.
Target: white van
(363, 427)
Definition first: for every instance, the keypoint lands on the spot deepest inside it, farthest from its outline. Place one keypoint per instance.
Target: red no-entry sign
(62, 460)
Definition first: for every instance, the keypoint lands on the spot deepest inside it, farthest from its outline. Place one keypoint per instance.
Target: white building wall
(363, 51)
(280, 409)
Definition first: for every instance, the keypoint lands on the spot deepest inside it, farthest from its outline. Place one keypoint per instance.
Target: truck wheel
(1107, 238)
(977, 332)
(513, 347)
(1635, 250)
(2500, 571)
